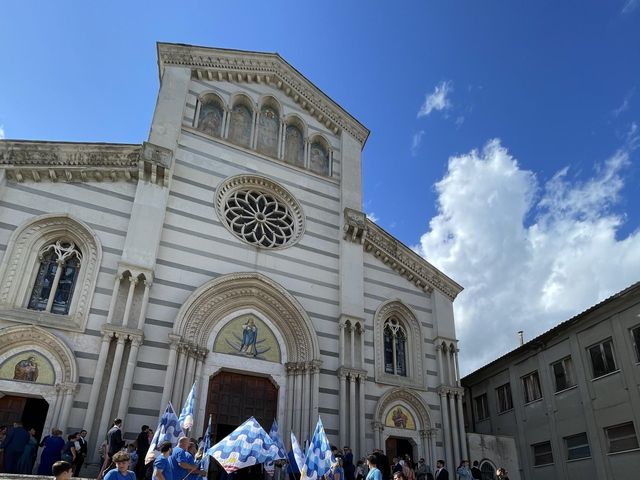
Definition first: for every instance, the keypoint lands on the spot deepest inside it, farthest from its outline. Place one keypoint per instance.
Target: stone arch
(404, 396)
(210, 114)
(20, 263)
(218, 298)
(415, 356)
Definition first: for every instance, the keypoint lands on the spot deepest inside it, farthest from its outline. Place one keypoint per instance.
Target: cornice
(359, 229)
(68, 162)
(238, 66)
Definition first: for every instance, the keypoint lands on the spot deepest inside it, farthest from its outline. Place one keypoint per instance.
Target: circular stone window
(259, 211)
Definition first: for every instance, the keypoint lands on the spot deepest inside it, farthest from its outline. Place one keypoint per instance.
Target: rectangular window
(505, 402)
(635, 335)
(577, 446)
(602, 359)
(563, 374)
(482, 407)
(621, 437)
(542, 454)
(531, 385)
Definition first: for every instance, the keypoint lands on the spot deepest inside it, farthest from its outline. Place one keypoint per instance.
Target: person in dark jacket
(142, 447)
(13, 446)
(475, 471)
(441, 472)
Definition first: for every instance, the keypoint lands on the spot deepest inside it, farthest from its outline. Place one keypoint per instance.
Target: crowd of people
(65, 458)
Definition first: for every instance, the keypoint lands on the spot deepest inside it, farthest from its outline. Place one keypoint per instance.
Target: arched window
(395, 348)
(268, 129)
(210, 116)
(319, 161)
(487, 471)
(240, 124)
(294, 145)
(56, 278)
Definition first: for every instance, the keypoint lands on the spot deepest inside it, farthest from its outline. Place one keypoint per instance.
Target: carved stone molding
(225, 295)
(68, 162)
(243, 66)
(46, 343)
(352, 374)
(398, 256)
(404, 395)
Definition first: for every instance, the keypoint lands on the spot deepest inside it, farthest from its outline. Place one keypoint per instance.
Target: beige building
(229, 249)
(570, 398)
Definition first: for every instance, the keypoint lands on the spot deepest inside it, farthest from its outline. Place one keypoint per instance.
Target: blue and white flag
(186, 415)
(269, 466)
(318, 459)
(168, 430)
(297, 452)
(247, 445)
(205, 444)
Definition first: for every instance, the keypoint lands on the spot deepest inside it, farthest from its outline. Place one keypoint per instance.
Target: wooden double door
(234, 397)
(32, 412)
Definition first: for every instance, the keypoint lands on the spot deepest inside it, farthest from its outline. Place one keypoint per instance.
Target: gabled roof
(247, 66)
(543, 338)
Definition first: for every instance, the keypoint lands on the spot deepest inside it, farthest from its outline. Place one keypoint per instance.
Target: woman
(69, 451)
(25, 464)
(374, 473)
(502, 474)
(407, 469)
(338, 471)
(53, 445)
(463, 471)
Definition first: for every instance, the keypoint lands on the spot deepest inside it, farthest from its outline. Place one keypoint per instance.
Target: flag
(186, 415)
(297, 452)
(168, 430)
(318, 459)
(247, 445)
(274, 435)
(205, 444)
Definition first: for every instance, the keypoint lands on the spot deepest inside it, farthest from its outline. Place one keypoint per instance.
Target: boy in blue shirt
(162, 465)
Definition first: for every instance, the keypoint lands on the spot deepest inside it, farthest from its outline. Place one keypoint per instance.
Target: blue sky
(524, 170)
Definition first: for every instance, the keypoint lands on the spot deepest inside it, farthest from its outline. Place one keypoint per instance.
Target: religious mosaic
(248, 336)
(28, 366)
(400, 417)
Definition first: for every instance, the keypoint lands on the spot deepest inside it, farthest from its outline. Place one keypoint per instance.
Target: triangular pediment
(240, 66)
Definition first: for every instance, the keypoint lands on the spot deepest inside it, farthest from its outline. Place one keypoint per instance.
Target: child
(62, 470)
(121, 472)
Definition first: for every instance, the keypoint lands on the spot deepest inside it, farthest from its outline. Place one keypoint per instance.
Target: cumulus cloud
(416, 141)
(437, 100)
(529, 254)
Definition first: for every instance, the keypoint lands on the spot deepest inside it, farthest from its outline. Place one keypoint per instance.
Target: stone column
(306, 396)
(463, 437)
(440, 363)
(114, 299)
(254, 130)
(54, 285)
(128, 378)
(297, 402)
(281, 138)
(67, 402)
(188, 377)
(352, 410)
(352, 332)
(315, 392)
(55, 409)
(289, 406)
(457, 365)
(341, 326)
(362, 330)
(454, 429)
(143, 306)
(377, 433)
(179, 377)
(433, 435)
(97, 380)
(343, 408)
(200, 387)
(170, 372)
(424, 438)
(446, 429)
(361, 415)
(133, 281)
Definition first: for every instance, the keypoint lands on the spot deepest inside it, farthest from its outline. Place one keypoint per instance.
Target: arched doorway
(32, 412)
(399, 447)
(233, 397)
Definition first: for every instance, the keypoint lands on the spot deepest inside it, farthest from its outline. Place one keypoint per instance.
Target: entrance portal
(32, 412)
(399, 447)
(234, 397)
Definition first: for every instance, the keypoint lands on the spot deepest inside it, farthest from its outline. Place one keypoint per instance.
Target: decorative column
(225, 122)
(315, 391)
(454, 427)
(201, 354)
(457, 365)
(342, 326)
(440, 363)
(306, 395)
(143, 306)
(361, 414)
(289, 406)
(188, 377)
(297, 402)
(133, 281)
(128, 377)
(463, 437)
(352, 331)
(254, 131)
(57, 406)
(343, 407)
(446, 428)
(362, 330)
(114, 299)
(378, 427)
(352, 410)
(67, 402)
(179, 377)
(433, 435)
(54, 285)
(281, 133)
(97, 378)
(171, 371)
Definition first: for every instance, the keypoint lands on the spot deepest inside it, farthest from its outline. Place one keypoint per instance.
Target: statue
(26, 370)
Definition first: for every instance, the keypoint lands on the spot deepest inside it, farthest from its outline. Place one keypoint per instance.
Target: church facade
(230, 250)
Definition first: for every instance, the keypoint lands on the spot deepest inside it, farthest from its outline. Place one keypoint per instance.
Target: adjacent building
(570, 398)
(229, 249)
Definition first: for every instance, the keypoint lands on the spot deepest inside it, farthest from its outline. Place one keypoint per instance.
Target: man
(182, 462)
(81, 452)
(13, 446)
(347, 463)
(62, 470)
(162, 465)
(475, 470)
(383, 464)
(397, 467)
(114, 438)
(421, 470)
(142, 448)
(441, 472)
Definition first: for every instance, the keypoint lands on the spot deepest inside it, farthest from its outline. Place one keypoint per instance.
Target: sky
(504, 135)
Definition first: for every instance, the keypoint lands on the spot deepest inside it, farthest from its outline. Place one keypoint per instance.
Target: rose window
(259, 211)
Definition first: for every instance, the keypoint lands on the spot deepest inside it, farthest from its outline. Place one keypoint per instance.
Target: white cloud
(416, 141)
(520, 276)
(373, 217)
(624, 106)
(630, 6)
(1, 132)
(459, 120)
(437, 100)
